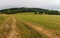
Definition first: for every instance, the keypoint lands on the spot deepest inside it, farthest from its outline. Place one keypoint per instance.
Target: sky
(46, 4)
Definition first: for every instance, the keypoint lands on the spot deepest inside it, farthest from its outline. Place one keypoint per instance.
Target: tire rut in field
(14, 32)
(4, 28)
(9, 28)
(49, 34)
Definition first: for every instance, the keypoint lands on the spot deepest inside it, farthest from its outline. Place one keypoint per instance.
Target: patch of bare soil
(38, 29)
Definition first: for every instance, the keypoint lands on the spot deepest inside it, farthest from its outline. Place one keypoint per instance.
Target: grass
(2, 18)
(27, 32)
(48, 21)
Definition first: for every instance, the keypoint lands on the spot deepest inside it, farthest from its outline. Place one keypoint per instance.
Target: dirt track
(14, 32)
(10, 26)
(49, 34)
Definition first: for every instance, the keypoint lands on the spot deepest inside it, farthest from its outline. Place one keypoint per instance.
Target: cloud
(49, 4)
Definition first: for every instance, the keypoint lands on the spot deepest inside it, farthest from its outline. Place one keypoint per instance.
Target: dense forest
(35, 10)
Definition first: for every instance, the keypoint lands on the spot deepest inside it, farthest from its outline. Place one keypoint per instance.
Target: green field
(49, 22)
(27, 32)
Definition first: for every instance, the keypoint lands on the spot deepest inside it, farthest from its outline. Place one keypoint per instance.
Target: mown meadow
(51, 22)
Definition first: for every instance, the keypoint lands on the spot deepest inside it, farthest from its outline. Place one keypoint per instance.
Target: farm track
(10, 27)
(14, 32)
(5, 26)
(48, 33)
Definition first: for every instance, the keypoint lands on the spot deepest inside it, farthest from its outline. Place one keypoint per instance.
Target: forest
(24, 9)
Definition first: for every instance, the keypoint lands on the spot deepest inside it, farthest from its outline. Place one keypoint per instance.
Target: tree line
(35, 10)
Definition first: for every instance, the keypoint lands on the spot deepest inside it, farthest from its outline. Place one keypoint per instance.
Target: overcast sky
(48, 4)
